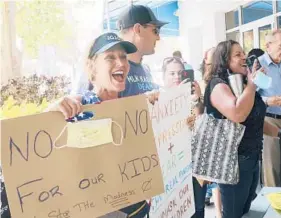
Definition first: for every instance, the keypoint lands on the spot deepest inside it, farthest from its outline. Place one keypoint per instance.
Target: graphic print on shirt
(143, 83)
(139, 81)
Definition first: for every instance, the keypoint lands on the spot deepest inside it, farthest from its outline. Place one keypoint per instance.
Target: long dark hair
(221, 58)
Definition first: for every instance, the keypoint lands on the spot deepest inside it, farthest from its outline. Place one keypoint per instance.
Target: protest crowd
(235, 117)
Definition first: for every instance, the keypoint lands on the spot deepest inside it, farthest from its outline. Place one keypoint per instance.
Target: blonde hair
(89, 62)
(270, 35)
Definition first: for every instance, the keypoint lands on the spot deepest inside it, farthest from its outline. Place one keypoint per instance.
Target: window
(232, 19)
(278, 5)
(234, 36)
(248, 44)
(262, 33)
(256, 10)
(250, 22)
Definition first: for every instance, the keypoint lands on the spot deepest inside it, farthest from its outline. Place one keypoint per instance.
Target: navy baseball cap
(107, 41)
(138, 14)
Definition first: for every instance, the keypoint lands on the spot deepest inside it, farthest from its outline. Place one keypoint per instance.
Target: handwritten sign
(42, 181)
(172, 138)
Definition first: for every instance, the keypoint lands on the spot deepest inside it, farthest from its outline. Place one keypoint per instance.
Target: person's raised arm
(233, 108)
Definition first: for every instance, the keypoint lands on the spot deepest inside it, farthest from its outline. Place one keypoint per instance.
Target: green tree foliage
(42, 23)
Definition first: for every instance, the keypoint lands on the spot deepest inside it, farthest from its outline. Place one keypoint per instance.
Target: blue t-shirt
(139, 81)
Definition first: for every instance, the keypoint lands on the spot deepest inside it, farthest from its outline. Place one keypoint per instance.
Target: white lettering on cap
(113, 37)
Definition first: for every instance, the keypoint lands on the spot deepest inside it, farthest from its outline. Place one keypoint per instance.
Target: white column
(202, 26)
(10, 58)
(106, 7)
(90, 17)
(213, 29)
(191, 20)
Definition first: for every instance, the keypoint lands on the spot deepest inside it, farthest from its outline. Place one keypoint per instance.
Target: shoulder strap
(207, 96)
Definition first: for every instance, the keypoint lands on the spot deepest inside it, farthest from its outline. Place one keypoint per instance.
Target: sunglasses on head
(171, 59)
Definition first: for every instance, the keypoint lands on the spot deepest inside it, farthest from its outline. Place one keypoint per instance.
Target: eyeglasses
(156, 30)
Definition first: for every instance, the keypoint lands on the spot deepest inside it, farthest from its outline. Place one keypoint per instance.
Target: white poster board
(173, 141)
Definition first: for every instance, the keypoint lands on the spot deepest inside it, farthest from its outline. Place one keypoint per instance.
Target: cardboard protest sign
(43, 181)
(173, 141)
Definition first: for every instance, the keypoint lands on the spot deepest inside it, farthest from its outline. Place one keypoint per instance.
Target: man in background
(187, 66)
(138, 25)
(271, 61)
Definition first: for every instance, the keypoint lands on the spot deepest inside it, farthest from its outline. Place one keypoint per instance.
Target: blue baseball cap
(107, 40)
